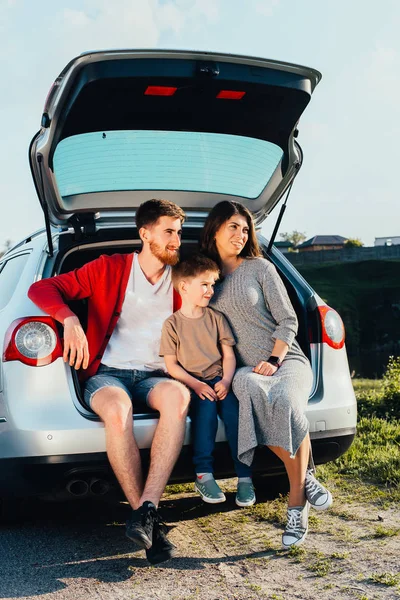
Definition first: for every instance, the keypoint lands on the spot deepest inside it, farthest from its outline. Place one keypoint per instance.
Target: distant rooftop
(323, 240)
(393, 240)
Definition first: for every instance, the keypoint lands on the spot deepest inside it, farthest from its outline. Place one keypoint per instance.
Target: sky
(349, 181)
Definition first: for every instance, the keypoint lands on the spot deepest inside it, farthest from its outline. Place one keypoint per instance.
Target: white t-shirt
(135, 342)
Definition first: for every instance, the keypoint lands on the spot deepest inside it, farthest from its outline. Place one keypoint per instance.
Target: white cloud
(101, 24)
(266, 7)
(383, 75)
(209, 9)
(170, 16)
(126, 23)
(76, 18)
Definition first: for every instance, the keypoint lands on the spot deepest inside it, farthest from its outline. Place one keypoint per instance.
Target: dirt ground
(352, 552)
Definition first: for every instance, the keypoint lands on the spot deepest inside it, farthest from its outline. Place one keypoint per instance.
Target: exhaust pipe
(77, 488)
(99, 487)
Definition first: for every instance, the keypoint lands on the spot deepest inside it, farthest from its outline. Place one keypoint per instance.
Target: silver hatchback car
(118, 128)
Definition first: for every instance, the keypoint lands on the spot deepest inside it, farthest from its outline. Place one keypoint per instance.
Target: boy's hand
(222, 389)
(204, 391)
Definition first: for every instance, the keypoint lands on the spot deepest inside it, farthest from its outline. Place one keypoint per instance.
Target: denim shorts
(137, 384)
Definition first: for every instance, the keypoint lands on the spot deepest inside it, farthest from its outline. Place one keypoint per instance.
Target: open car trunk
(128, 241)
(123, 126)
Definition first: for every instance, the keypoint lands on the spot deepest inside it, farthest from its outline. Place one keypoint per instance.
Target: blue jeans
(203, 414)
(137, 384)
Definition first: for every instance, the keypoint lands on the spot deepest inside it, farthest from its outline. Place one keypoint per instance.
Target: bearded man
(129, 297)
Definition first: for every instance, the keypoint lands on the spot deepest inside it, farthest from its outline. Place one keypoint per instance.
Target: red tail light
(230, 95)
(33, 341)
(160, 90)
(332, 326)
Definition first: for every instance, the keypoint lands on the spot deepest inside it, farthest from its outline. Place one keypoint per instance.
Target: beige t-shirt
(196, 342)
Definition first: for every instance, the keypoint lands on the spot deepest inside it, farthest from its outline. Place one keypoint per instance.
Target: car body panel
(42, 421)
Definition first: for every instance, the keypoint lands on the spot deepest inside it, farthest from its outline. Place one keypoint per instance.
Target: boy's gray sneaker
(296, 527)
(318, 496)
(209, 491)
(245, 495)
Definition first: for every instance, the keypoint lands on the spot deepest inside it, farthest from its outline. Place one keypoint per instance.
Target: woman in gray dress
(274, 380)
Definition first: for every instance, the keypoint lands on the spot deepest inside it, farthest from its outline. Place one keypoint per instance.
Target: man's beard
(167, 257)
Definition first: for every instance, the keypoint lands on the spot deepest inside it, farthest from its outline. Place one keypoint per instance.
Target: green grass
(298, 553)
(340, 555)
(375, 452)
(383, 532)
(389, 579)
(321, 566)
(367, 385)
(179, 488)
(273, 512)
(371, 466)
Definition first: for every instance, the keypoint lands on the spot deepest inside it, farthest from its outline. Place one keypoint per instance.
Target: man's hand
(76, 349)
(222, 388)
(265, 368)
(204, 391)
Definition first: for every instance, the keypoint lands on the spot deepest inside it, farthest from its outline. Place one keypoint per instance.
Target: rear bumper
(46, 475)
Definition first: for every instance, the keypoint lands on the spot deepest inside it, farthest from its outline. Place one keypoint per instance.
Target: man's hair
(150, 211)
(192, 266)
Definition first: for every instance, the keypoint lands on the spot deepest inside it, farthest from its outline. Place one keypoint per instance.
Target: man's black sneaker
(162, 549)
(139, 527)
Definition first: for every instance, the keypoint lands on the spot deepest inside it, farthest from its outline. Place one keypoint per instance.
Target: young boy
(197, 346)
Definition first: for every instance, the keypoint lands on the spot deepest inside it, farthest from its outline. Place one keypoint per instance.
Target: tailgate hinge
(83, 225)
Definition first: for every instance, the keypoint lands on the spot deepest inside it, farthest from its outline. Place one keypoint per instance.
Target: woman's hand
(265, 368)
(204, 391)
(222, 389)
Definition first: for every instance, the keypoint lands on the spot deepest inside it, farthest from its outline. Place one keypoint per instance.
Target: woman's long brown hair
(221, 213)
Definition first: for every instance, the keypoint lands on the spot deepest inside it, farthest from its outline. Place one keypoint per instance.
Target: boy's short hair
(192, 266)
(150, 211)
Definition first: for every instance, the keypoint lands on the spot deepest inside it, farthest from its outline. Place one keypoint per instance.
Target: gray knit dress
(271, 408)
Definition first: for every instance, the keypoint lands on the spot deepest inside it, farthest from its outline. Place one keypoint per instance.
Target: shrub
(383, 403)
(353, 243)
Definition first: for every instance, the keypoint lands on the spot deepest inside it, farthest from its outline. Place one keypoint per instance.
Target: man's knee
(170, 398)
(114, 407)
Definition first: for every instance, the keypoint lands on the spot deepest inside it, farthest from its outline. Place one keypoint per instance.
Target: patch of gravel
(79, 552)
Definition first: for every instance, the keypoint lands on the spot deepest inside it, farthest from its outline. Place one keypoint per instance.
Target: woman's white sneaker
(318, 496)
(296, 527)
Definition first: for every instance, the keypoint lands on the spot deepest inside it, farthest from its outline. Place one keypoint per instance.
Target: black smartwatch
(275, 361)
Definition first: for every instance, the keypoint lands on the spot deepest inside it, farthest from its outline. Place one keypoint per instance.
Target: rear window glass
(164, 160)
(10, 272)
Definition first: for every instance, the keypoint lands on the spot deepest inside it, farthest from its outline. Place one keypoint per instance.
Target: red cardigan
(103, 282)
